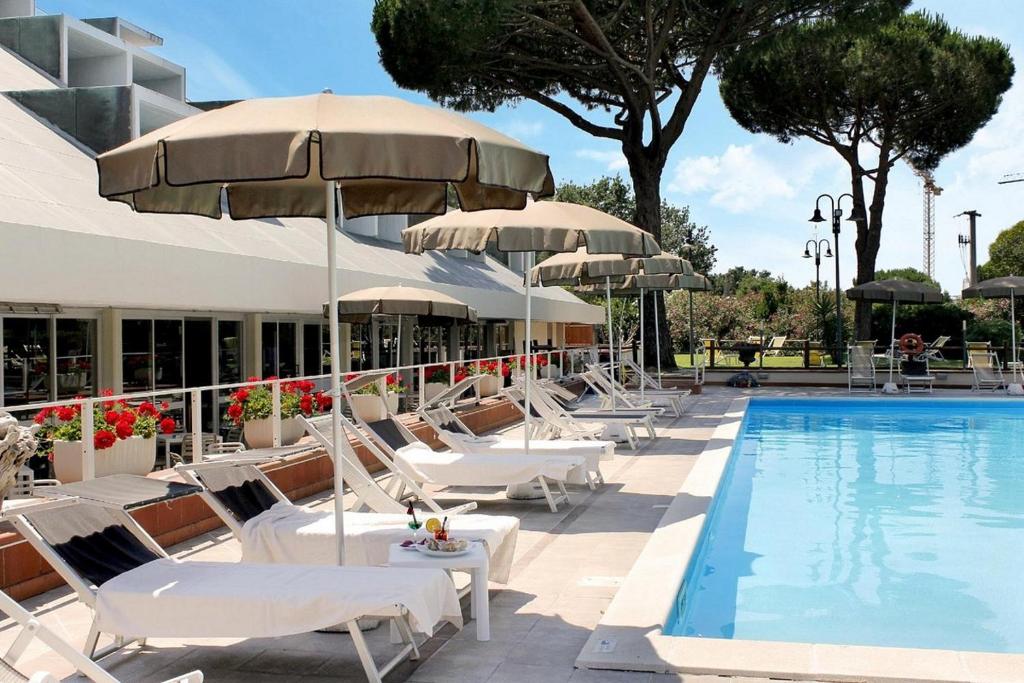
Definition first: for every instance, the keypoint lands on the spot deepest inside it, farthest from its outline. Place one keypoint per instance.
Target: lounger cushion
(460, 469)
(290, 533)
(592, 451)
(171, 599)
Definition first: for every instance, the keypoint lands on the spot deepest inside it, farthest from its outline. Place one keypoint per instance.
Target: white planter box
(490, 385)
(260, 433)
(133, 455)
(432, 389)
(367, 407)
(551, 372)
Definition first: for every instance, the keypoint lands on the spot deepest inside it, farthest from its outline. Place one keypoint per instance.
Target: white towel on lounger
(166, 598)
(461, 469)
(290, 533)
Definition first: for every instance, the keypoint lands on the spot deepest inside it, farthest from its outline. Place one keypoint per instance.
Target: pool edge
(629, 638)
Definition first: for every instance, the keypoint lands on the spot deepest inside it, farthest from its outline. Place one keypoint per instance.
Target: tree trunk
(869, 234)
(646, 175)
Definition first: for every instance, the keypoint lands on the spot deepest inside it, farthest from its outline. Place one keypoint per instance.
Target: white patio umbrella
(1003, 288)
(585, 270)
(292, 156)
(541, 226)
(894, 292)
(428, 306)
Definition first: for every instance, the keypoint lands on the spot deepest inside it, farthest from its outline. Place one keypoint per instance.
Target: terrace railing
(188, 405)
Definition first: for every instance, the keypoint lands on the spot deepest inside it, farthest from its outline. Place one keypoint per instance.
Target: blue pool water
(866, 522)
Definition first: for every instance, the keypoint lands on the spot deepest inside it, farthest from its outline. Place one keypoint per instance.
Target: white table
(475, 562)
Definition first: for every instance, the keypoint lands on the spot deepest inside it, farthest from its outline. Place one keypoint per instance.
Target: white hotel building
(93, 295)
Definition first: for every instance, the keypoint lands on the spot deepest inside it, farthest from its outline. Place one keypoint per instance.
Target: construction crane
(1012, 178)
(931, 191)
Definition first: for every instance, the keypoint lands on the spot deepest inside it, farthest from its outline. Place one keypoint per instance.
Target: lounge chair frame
(921, 384)
(87, 594)
(860, 369)
(988, 371)
(599, 378)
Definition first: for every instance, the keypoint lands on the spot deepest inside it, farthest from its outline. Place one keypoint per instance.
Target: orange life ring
(911, 343)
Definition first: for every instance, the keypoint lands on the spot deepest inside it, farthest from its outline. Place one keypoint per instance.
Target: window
(168, 337)
(136, 354)
(26, 347)
(280, 349)
(229, 351)
(76, 347)
(503, 339)
(315, 349)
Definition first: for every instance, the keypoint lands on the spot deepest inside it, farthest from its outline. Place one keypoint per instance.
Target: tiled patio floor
(568, 566)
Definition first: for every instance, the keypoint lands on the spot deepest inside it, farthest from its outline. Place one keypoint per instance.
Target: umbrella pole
(693, 356)
(398, 343)
(336, 433)
(643, 354)
(611, 339)
(1014, 388)
(527, 363)
(657, 338)
(890, 386)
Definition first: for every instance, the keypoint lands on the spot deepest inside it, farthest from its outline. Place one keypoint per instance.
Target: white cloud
(737, 180)
(523, 129)
(612, 160)
(210, 76)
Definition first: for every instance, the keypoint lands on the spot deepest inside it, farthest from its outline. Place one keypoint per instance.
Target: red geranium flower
(124, 429)
(111, 416)
(148, 408)
(129, 417)
(235, 411)
(306, 404)
(104, 438)
(323, 401)
(253, 378)
(165, 405)
(41, 416)
(505, 370)
(167, 425)
(241, 395)
(66, 413)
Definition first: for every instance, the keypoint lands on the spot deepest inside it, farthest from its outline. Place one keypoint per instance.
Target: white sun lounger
(273, 529)
(136, 591)
(32, 629)
(599, 379)
(420, 464)
(988, 372)
(454, 433)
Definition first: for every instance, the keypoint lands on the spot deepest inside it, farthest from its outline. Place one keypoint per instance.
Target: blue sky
(754, 193)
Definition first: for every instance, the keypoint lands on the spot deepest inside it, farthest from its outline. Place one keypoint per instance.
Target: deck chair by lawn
(600, 381)
(31, 629)
(273, 529)
(775, 347)
(988, 373)
(916, 375)
(860, 369)
(136, 591)
(392, 443)
(934, 350)
(455, 434)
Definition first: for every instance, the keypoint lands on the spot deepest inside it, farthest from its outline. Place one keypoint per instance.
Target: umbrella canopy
(289, 156)
(359, 306)
(273, 155)
(582, 268)
(996, 288)
(900, 291)
(541, 226)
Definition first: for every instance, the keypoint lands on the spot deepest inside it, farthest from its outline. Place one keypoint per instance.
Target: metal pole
(693, 357)
(335, 346)
(611, 338)
(836, 214)
(974, 216)
(1013, 333)
(527, 365)
(643, 354)
(657, 339)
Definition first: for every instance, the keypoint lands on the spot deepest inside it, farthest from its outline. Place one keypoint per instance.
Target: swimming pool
(884, 522)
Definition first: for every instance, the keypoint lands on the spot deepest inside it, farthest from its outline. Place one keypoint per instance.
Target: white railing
(191, 399)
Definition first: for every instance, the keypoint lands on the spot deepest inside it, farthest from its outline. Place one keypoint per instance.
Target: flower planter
(134, 455)
(490, 385)
(551, 372)
(393, 399)
(432, 389)
(366, 407)
(260, 433)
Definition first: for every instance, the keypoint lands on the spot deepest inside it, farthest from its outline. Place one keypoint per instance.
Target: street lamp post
(837, 216)
(816, 255)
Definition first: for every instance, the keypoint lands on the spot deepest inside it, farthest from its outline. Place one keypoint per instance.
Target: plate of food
(452, 547)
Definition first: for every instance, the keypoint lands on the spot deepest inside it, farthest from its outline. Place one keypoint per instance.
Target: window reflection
(76, 345)
(137, 354)
(26, 357)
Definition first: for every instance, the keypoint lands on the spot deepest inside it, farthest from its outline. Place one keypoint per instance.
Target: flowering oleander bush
(256, 401)
(112, 421)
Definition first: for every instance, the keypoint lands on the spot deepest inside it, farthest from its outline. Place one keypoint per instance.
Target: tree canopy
(911, 88)
(679, 234)
(909, 273)
(1005, 254)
